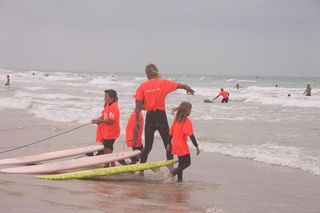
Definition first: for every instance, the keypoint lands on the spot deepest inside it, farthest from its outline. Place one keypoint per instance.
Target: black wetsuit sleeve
(194, 141)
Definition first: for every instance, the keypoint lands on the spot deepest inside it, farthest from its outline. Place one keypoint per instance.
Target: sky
(219, 37)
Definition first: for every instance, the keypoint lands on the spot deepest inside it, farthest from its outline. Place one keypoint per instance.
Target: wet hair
(112, 94)
(152, 70)
(182, 111)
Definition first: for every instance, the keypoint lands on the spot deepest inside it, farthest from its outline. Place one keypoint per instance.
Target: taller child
(152, 94)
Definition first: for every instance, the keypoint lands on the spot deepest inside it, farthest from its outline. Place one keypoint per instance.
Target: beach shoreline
(213, 182)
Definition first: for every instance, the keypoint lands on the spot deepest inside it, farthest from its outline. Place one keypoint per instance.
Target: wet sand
(213, 183)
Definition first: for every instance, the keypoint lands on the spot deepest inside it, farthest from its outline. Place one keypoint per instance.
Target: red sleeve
(171, 85)
(187, 127)
(139, 93)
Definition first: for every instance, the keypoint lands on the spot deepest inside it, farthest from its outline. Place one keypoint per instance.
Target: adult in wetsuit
(224, 94)
(151, 95)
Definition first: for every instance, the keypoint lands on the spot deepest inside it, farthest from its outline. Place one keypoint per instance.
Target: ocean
(261, 122)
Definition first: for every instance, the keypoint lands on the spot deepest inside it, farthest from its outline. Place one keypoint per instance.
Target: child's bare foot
(141, 173)
(170, 175)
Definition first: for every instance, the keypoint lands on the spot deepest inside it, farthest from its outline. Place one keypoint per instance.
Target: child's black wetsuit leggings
(155, 120)
(184, 162)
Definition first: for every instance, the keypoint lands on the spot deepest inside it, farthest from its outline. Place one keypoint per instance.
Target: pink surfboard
(50, 155)
(72, 164)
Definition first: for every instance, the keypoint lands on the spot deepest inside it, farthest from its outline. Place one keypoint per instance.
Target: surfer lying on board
(224, 94)
(108, 129)
(180, 130)
(131, 136)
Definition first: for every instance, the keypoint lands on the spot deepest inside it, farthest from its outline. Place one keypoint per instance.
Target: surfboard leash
(39, 141)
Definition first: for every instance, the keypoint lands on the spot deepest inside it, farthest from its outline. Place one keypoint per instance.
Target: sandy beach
(213, 183)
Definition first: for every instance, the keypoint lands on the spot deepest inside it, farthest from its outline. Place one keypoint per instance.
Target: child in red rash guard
(180, 130)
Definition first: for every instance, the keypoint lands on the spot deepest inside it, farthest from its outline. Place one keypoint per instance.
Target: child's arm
(97, 120)
(100, 120)
(107, 121)
(194, 141)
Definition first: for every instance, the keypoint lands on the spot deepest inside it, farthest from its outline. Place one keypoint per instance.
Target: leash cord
(39, 141)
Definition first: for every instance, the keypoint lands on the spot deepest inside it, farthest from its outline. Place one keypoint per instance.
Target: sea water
(267, 119)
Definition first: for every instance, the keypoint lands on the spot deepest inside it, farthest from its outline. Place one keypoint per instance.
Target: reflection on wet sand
(133, 193)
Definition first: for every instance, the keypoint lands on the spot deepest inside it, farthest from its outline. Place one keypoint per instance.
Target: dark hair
(112, 93)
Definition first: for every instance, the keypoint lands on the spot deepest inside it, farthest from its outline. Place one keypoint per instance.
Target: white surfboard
(72, 164)
(50, 155)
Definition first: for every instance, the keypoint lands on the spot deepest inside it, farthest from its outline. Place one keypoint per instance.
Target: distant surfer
(152, 94)
(225, 96)
(108, 129)
(8, 81)
(307, 92)
(113, 78)
(237, 86)
(180, 130)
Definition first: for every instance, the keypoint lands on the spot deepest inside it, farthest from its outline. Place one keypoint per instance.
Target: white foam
(101, 81)
(300, 158)
(140, 79)
(15, 103)
(241, 80)
(34, 88)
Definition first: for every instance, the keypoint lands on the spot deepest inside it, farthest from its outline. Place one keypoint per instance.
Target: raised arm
(186, 88)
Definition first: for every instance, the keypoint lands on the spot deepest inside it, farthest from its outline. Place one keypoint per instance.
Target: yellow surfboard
(107, 171)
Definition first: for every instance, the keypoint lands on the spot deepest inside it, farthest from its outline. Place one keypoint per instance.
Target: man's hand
(190, 90)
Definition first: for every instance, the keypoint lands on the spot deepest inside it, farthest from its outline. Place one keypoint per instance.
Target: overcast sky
(233, 37)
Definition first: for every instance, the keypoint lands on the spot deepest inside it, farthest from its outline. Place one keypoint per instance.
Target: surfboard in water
(50, 155)
(107, 171)
(72, 164)
(207, 101)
